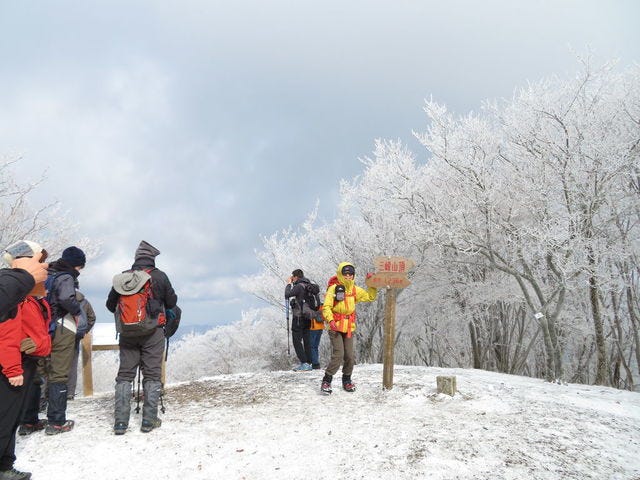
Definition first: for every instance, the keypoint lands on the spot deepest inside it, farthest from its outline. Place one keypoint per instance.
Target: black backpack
(311, 297)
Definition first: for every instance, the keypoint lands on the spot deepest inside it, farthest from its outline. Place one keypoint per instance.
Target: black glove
(173, 321)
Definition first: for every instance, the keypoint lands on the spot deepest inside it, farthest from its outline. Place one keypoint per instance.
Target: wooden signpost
(391, 273)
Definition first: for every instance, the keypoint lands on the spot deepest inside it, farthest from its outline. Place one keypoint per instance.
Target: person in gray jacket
(144, 351)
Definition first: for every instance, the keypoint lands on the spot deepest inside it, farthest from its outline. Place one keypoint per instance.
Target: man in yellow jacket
(339, 309)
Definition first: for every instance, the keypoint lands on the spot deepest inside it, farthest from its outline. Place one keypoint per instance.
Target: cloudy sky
(201, 125)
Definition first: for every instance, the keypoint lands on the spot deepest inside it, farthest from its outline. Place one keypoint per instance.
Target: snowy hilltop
(276, 425)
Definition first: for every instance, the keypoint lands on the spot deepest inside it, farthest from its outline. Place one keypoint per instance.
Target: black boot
(325, 386)
(57, 409)
(152, 393)
(122, 407)
(347, 384)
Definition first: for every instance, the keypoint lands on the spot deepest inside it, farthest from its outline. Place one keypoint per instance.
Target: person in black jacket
(143, 351)
(65, 317)
(16, 284)
(301, 324)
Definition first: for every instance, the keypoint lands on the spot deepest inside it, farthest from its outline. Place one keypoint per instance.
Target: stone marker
(446, 385)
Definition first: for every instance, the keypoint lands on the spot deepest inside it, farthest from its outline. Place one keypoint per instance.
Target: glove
(173, 321)
(27, 346)
(369, 275)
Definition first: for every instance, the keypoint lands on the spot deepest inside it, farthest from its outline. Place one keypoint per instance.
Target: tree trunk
(475, 345)
(601, 350)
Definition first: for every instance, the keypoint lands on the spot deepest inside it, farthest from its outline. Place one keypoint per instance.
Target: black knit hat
(74, 256)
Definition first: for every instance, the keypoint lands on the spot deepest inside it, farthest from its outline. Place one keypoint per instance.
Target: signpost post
(391, 273)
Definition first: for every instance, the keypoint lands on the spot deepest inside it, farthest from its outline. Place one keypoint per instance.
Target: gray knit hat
(21, 248)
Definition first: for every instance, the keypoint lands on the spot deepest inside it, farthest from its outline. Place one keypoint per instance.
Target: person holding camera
(24, 338)
(298, 291)
(339, 310)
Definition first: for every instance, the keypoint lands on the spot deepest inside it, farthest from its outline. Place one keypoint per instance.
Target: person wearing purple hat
(66, 313)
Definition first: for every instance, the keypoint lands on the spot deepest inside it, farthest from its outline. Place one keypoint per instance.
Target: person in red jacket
(24, 336)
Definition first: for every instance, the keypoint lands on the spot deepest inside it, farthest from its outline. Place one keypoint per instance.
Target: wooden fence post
(88, 348)
(87, 372)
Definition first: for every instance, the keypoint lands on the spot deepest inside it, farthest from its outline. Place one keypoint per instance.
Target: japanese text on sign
(393, 264)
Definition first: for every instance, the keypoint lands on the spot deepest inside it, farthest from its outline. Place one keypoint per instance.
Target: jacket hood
(348, 284)
(146, 251)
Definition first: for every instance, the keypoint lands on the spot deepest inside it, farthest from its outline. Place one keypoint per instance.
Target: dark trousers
(145, 351)
(316, 336)
(301, 338)
(31, 407)
(72, 383)
(11, 403)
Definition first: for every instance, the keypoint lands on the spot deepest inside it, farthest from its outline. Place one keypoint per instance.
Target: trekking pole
(138, 396)
(286, 307)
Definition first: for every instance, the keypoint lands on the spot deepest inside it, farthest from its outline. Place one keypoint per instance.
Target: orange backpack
(137, 314)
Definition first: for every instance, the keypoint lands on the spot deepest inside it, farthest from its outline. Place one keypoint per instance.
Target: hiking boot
(349, 386)
(325, 387)
(120, 428)
(14, 474)
(29, 428)
(148, 425)
(56, 429)
(303, 367)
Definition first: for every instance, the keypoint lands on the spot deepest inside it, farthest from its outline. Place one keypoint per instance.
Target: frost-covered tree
(523, 223)
(20, 219)
(526, 187)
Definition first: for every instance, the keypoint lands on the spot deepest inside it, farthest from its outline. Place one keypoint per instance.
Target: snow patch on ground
(276, 425)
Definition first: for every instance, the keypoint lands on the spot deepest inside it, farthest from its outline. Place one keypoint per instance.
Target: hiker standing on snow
(315, 333)
(91, 320)
(339, 310)
(67, 315)
(141, 350)
(24, 336)
(296, 290)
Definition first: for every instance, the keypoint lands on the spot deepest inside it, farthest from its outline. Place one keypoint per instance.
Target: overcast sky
(201, 125)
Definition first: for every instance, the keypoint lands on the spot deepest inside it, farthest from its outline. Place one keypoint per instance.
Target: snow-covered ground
(277, 426)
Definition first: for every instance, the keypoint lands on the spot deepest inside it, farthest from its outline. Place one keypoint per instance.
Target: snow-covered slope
(277, 426)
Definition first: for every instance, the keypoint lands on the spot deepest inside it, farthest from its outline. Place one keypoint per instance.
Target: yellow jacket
(341, 315)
